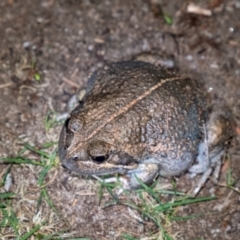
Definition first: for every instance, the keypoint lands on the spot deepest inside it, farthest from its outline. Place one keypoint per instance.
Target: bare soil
(64, 42)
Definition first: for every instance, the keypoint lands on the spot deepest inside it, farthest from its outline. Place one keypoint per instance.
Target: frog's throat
(123, 110)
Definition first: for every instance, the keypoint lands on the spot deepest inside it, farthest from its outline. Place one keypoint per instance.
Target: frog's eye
(98, 152)
(75, 125)
(99, 159)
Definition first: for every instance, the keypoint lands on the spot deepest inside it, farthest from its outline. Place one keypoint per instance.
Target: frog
(140, 121)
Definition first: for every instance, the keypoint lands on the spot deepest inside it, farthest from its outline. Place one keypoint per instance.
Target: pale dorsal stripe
(128, 106)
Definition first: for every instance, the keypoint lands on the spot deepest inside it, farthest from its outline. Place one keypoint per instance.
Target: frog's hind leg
(202, 162)
(217, 133)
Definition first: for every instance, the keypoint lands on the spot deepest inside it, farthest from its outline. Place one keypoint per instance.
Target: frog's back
(152, 111)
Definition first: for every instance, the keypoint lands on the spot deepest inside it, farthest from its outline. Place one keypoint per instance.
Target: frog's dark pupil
(99, 159)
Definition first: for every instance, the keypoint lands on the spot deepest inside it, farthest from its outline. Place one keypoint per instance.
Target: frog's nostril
(74, 159)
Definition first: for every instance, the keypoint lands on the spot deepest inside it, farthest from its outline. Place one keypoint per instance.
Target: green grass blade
(35, 150)
(128, 237)
(149, 190)
(48, 145)
(9, 219)
(30, 233)
(182, 202)
(43, 174)
(21, 160)
(48, 200)
(6, 195)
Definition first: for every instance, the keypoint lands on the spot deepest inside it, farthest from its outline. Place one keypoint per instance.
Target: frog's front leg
(145, 172)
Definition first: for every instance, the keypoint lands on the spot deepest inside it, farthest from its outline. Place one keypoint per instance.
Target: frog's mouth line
(91, 168)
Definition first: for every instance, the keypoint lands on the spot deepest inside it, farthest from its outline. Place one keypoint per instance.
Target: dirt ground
(63, 42)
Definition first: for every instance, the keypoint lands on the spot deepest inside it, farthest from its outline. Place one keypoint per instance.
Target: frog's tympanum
(139, 120)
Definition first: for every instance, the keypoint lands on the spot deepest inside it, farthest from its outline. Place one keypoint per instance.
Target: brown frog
(141, 121)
